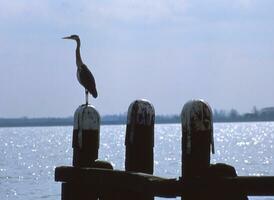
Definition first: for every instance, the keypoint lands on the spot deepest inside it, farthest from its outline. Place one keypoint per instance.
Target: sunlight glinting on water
(249, 145)
(30, 155)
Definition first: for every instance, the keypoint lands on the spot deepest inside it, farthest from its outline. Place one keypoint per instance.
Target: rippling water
(28, 156)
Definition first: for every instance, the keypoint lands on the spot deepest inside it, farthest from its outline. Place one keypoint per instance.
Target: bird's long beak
(66, 37)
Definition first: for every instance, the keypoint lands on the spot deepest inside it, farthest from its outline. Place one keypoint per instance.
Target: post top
(141, 112)
(199, 112)
(196, 116)
(86, 117)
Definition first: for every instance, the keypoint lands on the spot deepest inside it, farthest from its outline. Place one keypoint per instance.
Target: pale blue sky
(167, 51)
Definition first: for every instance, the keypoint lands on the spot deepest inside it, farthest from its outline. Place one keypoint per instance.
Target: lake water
(28, 156)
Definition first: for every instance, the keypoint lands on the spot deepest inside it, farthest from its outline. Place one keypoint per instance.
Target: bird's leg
(86, 91)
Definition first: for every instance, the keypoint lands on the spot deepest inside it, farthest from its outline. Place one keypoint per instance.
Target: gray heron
(84, 75)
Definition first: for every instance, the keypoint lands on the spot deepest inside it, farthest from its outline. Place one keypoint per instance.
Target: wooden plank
(116, 180)
(105, 180)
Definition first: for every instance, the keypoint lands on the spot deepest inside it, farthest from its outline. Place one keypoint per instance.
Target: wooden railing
(90, 178)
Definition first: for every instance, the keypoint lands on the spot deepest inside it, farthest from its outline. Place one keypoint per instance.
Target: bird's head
(72, 37)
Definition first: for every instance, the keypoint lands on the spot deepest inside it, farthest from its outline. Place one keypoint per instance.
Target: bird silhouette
(84, 75)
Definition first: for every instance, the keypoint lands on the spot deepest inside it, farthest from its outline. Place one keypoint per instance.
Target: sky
(166, 51)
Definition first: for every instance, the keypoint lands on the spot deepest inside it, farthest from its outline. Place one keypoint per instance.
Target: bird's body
(84, 75)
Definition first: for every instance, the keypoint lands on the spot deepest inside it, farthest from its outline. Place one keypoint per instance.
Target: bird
(84, 75)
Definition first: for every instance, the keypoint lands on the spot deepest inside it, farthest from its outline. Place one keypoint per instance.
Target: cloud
(105, 13)
(117, 10)
(224, 10)
(23, 8)
(139, 9)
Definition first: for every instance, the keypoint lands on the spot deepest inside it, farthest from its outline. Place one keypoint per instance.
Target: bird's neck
(79, 61)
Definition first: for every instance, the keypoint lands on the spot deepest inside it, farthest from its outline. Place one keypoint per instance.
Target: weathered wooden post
(85, 145)
(86, 138)
(140, 137)
(140, 140)
(197, 141)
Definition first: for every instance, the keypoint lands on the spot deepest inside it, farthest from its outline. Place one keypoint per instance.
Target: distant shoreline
(114, 120)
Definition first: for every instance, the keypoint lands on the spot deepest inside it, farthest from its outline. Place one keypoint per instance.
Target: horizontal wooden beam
(116, 180)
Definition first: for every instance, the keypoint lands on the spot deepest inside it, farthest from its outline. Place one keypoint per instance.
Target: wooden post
(197, 140)
(85, 145)
(140, 140)
(85, 141)
(140, 137)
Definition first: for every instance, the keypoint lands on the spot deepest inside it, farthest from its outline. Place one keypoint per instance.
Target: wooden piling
(139, 140)
(197, 140)
(140, 137)
(85, 143)
(86, 138)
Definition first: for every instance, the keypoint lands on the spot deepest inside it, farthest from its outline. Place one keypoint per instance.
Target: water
(28, 156)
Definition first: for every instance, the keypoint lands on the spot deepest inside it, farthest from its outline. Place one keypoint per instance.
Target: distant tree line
(265, 114)
(25, 121)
